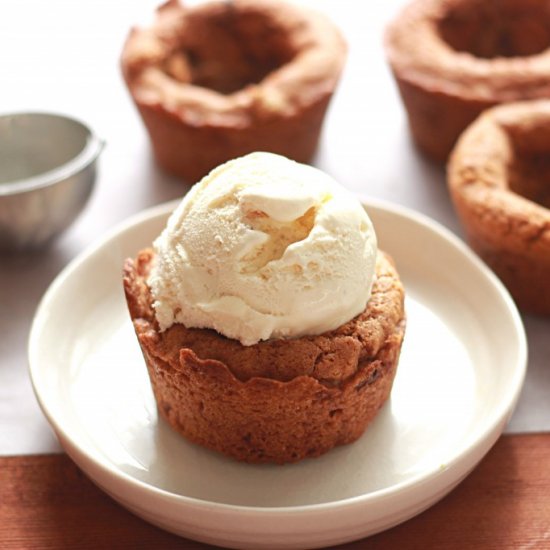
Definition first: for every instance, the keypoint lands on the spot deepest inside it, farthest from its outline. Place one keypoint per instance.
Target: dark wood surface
(46, 502)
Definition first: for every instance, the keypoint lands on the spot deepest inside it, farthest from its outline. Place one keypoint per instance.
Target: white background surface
(64, 56)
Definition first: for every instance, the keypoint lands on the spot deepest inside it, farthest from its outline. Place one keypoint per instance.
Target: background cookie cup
(454, 58)
(222, 79)
(279, 400)
(498, 177)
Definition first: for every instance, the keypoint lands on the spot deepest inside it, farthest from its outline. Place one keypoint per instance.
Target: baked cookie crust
(222, 79)
(452, 59)
(279, 400)
(498, 178)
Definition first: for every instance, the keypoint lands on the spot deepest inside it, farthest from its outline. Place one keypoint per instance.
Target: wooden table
(47, 503)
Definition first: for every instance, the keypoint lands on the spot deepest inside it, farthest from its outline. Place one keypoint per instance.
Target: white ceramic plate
(461, 370)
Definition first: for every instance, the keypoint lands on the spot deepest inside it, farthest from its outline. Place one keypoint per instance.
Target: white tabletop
(63, 56)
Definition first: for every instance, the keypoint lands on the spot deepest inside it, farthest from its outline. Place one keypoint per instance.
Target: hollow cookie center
(529, 167)
(497, 28)
(228, 51)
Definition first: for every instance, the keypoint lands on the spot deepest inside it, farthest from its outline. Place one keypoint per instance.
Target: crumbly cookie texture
(452, 59)
(279, 400)
(218, 80)
(498, 176)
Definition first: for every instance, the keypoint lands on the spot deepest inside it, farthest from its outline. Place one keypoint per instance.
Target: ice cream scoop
(264, 247)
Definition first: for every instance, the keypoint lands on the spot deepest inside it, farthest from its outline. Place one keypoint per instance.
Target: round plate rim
(473, 442)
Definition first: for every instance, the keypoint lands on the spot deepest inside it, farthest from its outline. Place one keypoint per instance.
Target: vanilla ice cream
(264, 247)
